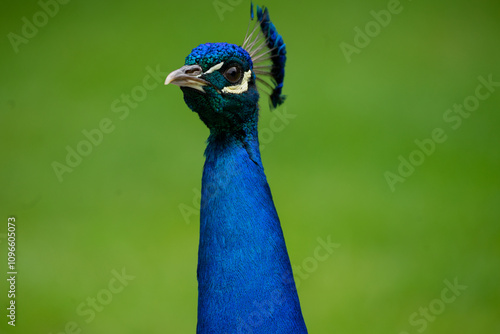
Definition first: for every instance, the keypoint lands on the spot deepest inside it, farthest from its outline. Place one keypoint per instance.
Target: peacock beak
(187, 76)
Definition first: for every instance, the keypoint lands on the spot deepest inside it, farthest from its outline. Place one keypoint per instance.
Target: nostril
(193, 71)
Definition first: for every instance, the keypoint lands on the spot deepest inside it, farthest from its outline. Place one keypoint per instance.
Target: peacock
(245, 280)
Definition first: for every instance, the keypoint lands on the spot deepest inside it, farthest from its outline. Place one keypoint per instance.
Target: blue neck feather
(244, 274)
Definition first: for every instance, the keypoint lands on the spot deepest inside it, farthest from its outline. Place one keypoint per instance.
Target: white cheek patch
(214, 68)
(242, 87)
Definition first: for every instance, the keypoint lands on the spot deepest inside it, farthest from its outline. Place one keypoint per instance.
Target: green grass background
(120, 207)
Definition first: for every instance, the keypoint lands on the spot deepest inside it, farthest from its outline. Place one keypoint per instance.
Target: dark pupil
(233, 74)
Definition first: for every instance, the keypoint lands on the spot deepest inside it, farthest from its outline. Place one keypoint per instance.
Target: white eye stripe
(214, 68)
(242, 87)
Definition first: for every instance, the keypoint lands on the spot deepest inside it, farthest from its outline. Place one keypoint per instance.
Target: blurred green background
(119, 207)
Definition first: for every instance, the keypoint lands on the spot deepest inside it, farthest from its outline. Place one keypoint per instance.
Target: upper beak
(187, 76)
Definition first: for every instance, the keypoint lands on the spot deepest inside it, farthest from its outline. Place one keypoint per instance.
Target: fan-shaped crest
(268, 52)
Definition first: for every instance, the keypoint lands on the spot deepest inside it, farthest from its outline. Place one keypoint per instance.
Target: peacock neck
(243, 264)
(233, 183)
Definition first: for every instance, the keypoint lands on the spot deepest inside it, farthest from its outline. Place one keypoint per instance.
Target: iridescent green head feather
(219, 79)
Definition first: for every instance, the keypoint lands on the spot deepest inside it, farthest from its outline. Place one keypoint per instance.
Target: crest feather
(264, 44)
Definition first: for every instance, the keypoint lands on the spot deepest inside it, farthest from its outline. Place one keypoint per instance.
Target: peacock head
(218, 83)
(219, 80)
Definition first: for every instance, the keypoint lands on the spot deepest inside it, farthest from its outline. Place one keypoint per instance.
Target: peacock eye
(233, 74)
